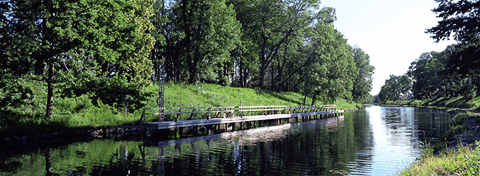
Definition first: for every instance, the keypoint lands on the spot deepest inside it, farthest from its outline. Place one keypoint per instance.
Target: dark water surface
(373, 141)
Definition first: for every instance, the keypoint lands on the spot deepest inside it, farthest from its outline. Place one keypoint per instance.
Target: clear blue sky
(391, 32)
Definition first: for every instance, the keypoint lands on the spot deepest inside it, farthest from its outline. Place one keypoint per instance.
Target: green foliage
(13, 93)
(110, 91)
(58, 39)
(71, 112)
(432, 78)
(331, 66)
(86, 57)
(195, 38)
(455, 71)
(394, 87)
(441, 102)
(363, 81)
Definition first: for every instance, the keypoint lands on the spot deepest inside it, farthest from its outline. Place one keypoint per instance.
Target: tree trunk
(39, 66)
(314, 98)
(241, 73)
(50, 90)
(48, 162)
(262, 70)
(307, 84)
(279, 86)
(262, 58)
(245, 75)
(273, 80)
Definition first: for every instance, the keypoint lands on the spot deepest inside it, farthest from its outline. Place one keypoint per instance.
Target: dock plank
(218, 121)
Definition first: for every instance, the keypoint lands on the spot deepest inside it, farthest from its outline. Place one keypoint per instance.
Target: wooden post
(193, 114)
(179, 115)
(176, 133)
(209, 113)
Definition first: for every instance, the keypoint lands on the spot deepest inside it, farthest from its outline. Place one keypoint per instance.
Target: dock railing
(175, 113)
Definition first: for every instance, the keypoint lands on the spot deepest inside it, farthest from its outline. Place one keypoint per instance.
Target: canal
(373, 141)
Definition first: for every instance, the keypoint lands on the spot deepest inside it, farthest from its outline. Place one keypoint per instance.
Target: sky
(391, 32)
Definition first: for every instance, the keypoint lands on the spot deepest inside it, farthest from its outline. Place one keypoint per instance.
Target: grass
(439, 103)
(83, 111)
(462, 161)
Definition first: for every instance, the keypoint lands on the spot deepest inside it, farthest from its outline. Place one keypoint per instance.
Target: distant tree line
(111, 49)
(453, 72)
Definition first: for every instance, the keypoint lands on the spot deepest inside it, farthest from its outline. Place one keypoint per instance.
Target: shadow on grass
(461, 103)
(277, 95)
(14, 123)
(17, 124)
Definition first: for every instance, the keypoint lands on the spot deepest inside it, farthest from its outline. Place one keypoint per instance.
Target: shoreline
(80, 134)
(463, 136)
(468, 135)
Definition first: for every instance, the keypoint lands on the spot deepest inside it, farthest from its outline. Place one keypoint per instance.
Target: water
(373, 141)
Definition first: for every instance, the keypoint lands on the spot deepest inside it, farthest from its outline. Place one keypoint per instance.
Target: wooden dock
(209, 116)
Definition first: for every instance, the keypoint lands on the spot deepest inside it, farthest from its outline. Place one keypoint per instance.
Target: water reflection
(394, 136)
(374, 141)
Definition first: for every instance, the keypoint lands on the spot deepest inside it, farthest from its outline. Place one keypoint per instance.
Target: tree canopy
(460, 20)
(74, 40)
(111, 49)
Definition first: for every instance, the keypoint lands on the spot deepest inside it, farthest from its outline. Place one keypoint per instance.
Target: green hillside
(89, 111)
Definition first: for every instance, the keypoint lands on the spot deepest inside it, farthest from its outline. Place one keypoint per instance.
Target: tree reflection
(331, 146)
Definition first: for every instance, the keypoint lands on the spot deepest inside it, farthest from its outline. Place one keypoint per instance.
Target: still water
(373, 141)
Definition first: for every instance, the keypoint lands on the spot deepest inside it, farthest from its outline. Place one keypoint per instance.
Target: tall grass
(462, 161)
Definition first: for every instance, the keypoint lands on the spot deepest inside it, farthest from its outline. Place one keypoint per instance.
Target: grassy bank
(439, 103)
(458, 158)
(462, 161)
(84, 111)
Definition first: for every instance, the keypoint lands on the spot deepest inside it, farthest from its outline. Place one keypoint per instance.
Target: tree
(363, 81)
(394, 87)
(269, 24)
(460, 18)
(333, 67)
(432, 76)
(71, 39)
(197, 38)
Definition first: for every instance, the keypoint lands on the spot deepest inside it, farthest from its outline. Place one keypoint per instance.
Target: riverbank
(84, 115)
(459, 152)
(456, 103)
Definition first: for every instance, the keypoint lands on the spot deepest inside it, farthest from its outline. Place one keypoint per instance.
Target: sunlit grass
(439, 103)
(463, 161)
